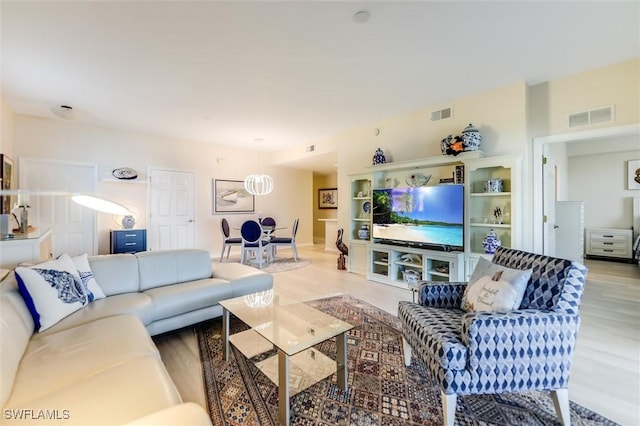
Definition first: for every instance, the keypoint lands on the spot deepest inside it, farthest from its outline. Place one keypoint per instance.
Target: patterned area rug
(382, 391)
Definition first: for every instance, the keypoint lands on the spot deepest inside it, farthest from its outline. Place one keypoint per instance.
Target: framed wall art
(6, 173)
(229, 196)
(633, 174)
(328, 198)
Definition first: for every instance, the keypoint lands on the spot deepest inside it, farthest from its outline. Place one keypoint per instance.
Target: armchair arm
(441, 294)
(528, 344)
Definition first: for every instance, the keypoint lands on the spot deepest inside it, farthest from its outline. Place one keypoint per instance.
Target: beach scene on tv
(422, 215)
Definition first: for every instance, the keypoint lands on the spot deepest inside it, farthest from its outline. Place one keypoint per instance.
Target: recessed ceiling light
(361, 16)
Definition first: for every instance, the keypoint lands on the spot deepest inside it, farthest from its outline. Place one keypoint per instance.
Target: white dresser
(609, 242)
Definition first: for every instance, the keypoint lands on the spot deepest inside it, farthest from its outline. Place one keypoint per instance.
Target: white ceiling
(289, 72)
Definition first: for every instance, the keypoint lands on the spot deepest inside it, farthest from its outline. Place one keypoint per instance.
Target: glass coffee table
(293, 328)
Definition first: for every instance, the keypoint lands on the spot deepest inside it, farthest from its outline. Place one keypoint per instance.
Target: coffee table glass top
(289, 325)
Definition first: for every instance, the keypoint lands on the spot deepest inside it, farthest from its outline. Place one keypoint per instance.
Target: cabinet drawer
(618, 245)
(612, 252)
(128, 240)
(608, 236)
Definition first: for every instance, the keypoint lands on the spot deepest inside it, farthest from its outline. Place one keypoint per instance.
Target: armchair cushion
(495, 288)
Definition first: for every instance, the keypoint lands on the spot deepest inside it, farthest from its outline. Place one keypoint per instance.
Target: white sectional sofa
(99, 365)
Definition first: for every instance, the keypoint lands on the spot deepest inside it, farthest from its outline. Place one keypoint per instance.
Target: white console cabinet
(389, 264)
(608, 242)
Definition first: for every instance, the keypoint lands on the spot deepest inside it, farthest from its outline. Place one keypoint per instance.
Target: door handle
(555, 227)
(190, 221)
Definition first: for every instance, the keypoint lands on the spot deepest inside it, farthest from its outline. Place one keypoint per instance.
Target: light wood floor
(605, 375)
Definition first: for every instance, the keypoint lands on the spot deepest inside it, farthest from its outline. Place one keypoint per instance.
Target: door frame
(150, 170)
(22, 170)
(538, 176)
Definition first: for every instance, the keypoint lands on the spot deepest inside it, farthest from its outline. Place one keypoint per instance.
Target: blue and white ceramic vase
(491, 242)
(363, 232)
(472, 138)
(128, 222)
(378, 157)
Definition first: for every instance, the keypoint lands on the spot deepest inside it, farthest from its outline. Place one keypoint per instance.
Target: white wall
(597, 175)
(111, 148)
(322, 181)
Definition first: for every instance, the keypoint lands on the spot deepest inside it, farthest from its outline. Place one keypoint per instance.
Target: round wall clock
(125, 173)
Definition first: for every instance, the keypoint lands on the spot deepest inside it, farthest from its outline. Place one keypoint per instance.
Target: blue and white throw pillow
(52, 290)
(495, 288)
(86, 275)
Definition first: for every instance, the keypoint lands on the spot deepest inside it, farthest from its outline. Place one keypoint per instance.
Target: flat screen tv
(424, 216)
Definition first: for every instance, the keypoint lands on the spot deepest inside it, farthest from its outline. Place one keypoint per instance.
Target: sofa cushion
(119, 394)
(116, 273)
(160, 268)
(86, 275)
(52, 290)
(174, 300)
(244, 279)
(136, 303)
(58, 360)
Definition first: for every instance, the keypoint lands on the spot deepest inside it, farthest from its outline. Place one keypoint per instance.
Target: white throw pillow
(86, 275)
(495, 288)
(52, 290)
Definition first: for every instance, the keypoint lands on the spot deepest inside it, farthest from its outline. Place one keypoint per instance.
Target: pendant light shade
(258, 184)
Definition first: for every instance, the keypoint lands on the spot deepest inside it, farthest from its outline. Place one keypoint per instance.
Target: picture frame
(6, 177)
(633, 174)
(328, 198)
(230, 196)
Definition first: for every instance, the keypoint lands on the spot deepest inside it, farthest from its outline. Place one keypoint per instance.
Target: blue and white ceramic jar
(472, 138)
(491, 242)
(378, 157)
(128, 222)
(363, 232)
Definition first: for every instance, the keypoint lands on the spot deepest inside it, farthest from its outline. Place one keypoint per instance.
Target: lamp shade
(100, 204)
(258, 184)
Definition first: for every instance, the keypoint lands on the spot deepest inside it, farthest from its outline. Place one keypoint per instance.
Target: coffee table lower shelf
(306, 368)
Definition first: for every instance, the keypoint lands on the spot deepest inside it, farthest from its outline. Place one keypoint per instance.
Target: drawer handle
(130, 244)
(608, 236)
(607, 244)
(608, 250)
(130, 235)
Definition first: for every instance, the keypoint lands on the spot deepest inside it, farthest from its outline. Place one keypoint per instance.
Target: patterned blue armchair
(491, 352)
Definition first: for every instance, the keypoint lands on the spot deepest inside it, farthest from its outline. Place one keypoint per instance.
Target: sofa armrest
(187, 414)
(439, 294)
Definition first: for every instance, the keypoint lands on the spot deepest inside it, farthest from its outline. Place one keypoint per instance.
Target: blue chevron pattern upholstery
(492, 352)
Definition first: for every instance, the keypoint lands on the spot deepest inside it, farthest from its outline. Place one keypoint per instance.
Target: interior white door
(570, 230)
(171, 209)
(549, 205)
(73, 227)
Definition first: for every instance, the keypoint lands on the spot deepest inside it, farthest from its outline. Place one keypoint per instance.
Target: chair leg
(222, 254)
(295, 252)
(560, 399)
(407, 352)
(448, 408)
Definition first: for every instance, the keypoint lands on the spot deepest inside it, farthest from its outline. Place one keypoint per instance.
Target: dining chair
(253, 242)
(287, 241)
(270, 222)
(227, 242)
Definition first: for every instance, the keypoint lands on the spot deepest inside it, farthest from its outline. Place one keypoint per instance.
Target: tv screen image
(421, 215)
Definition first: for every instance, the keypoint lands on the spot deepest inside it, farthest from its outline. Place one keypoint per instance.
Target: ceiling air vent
(442, 114)
(594, 116)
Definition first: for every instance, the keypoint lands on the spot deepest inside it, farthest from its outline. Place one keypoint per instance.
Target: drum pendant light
(258, 184)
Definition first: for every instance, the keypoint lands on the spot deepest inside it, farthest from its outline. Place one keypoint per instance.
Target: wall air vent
(594, 116)
(442, 114)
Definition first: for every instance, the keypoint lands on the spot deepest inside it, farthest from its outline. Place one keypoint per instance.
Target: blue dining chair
(254, 244)
(288, 241)
(227, 242)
